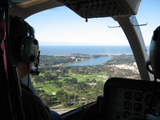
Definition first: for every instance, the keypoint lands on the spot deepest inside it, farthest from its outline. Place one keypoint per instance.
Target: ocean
(64, 50)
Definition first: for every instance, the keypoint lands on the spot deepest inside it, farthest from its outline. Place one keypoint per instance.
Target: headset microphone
(36, 63)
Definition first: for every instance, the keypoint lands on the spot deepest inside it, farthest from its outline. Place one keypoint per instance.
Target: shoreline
(82, 58)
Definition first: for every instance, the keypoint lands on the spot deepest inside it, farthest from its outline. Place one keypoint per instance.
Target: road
(61, 111)
(55, 106)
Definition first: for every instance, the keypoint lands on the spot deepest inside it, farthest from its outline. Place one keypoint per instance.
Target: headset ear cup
(29, 49)
(154, 52)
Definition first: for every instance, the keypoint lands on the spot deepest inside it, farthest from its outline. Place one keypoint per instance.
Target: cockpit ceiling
(30, 3)
(102, 8)
(29, 7)
(84, 8)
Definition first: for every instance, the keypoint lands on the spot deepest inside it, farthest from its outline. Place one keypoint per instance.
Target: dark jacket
(33, 107)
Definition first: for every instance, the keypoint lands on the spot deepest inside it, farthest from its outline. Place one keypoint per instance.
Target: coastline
(79, 58)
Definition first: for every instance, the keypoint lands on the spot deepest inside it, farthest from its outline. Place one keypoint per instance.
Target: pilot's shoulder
(33, 106)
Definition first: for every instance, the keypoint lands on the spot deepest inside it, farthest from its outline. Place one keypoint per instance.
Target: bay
(92, 62)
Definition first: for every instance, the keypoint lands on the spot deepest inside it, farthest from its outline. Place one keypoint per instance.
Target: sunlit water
(92, 62)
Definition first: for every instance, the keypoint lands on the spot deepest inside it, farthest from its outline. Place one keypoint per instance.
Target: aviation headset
(154, 57)
(29, 49)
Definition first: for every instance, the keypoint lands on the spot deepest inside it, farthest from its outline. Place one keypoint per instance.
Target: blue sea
(64, 50)
(93, 50)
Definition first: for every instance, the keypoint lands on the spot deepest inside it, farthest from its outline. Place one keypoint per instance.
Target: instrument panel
(127, 103)
(123, 102)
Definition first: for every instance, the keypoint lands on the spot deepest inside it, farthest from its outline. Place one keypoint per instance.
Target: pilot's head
(24, 47)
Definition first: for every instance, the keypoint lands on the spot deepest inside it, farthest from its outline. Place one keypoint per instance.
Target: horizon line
(89, 45)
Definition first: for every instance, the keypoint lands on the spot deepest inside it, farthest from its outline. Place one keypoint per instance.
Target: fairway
(48, 88)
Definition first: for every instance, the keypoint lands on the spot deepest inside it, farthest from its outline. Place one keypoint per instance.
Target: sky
(61, 26)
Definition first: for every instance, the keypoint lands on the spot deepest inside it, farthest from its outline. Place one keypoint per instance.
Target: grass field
(49, 87)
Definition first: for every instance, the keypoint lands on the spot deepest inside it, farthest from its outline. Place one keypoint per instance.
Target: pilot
(21, 37)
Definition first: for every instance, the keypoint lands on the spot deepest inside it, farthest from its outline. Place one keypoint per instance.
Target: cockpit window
(77, 57)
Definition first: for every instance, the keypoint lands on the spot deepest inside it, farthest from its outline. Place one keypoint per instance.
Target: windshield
(77, 57)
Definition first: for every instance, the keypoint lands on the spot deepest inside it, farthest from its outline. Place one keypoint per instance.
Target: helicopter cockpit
(122, 97)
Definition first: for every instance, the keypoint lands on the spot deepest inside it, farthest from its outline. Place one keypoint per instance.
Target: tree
(46, 99)
(38, 79)
(48, 77)
(87, 80)
(76, 98)
(62, 73)
(64, 99)
(54, 78)
(86, 73)
(58, 84)
(69, 99)
(94, 81)
(74, 80)
(39, 92)
(59, 94)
